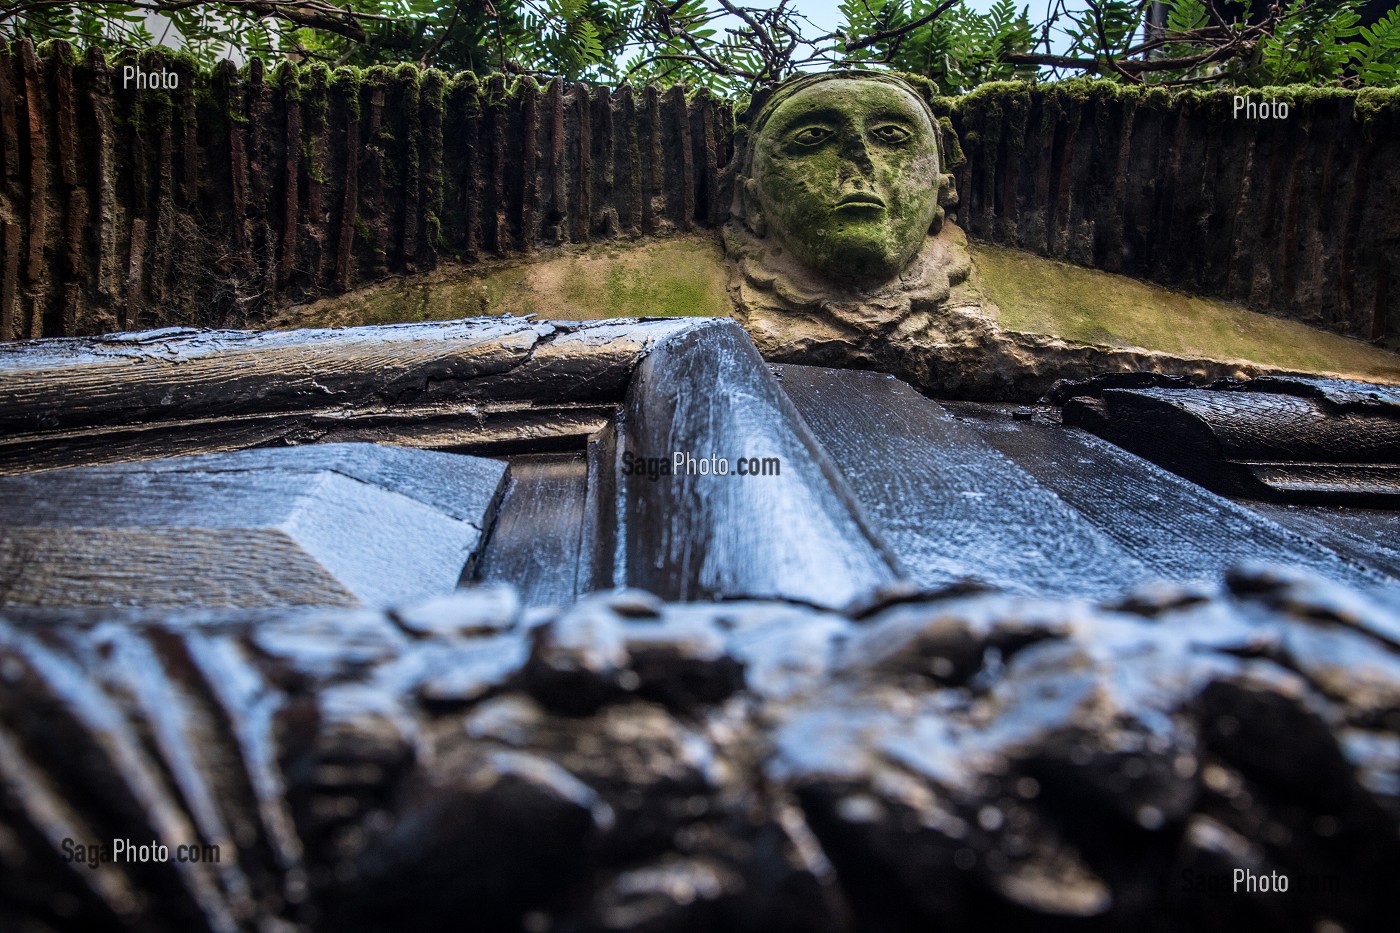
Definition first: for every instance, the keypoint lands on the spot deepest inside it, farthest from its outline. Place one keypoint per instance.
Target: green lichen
(1041, 296)
(953, 156)
(288, 77)
(464, 95)
(432, 86)
(680, 276)
(314, 80)
(844, 175)
(57, 50)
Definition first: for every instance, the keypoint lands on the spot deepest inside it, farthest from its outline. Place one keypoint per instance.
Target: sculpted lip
(861, 199)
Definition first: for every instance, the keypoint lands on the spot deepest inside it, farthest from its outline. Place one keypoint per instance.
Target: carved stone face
(845, 173)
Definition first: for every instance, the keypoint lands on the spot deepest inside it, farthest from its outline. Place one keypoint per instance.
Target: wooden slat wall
(1299, 216)
(211, 204)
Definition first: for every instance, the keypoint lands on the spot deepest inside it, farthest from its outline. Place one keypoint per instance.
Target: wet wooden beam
(1259, 444)
(344, 524)
(795, 533)
(951, 506)
(485, 386)
(1179, 530)
(534, 544)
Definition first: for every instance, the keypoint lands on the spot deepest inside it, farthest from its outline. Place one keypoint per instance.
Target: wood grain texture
(1283, 216)
(1369, 483)
(491, 384)
(798, 535)
(534, 544)
(1181, 531)
(1256, 443)
(364, 771)
(1343, 393)
(1264, 426)
(340, 524)
(485, 429)
(599, 543)
(168, 373)
(950, 505)
(173, 372)
(1367, 536)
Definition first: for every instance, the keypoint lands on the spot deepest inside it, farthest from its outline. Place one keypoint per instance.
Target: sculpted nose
(855, 158)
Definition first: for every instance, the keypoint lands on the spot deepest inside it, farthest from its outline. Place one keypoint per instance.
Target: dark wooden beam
(484, 385)
(796, 535)
(952, 506)
(341, 524)
(1328, 442)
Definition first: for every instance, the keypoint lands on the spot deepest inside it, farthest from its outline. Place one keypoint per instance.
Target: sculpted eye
(811, 135)
(892, 133)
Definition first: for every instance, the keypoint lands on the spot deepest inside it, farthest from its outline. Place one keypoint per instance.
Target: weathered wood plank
(1365, 483)
(1263, 426)
(1220, 439)
(534, 545)
(1340, 392)
(483, 429)
(795, 535)
(598, 545)
(329, 525)
(1183, 532)
(950, 505)
(1367, 536)
(126, 378)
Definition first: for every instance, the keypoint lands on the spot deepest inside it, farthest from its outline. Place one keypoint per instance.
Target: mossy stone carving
(837, 242)
(845, 175)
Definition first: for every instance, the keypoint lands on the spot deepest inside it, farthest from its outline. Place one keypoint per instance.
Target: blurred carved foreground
(956, 760)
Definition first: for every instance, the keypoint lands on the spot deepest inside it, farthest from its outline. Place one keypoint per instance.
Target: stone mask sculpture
(844, 173)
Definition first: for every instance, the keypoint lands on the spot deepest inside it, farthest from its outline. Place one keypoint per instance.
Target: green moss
(313, 81)
(953, 155)
(993, 91)
(464, 95)
(310, 155)
(58, 50)
(988, 103)
(1374, 104)
(431, 87)
(347, 82)
(288, 77)
(677, 277)
(1040, 296)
